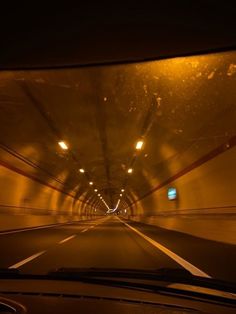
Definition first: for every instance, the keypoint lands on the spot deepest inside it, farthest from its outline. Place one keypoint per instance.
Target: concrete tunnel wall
(205, 206)
(24, 202)
(206, 202)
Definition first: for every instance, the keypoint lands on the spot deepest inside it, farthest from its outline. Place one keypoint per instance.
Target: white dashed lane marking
(67, 239)
(27, 260)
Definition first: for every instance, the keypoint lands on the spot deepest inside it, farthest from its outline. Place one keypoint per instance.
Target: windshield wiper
(155, 281)
(146, 279)
(79, 273)
(159, 281)
(9, 272)
(168, 275)
(122, 273)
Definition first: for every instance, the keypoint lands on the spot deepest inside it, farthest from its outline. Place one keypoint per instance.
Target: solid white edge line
(33, 228)
(193, 269)
(67, 239)
(21, 263)
(43, 227)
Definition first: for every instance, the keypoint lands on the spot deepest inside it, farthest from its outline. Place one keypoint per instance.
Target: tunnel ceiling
(182, 108)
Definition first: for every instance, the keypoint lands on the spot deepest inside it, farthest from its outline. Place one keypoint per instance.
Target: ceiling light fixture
(63, 145)
(110, 210)
(122, 190)
(130, 170)
(91, 183)
(81, 170)
(95, 190)
(105, 204)
(139, 145)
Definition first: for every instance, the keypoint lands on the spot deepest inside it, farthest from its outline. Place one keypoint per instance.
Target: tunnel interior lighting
(139, 145)
(81, 170)
(95, 190)
(117, 204)
(106, 205)
(122, 190)
(130, 170)
(63, 145)
(99, 194)
(120, 195)
(110, 210)
(90, 183)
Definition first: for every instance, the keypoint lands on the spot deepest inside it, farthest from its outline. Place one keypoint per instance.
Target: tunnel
(151, 143)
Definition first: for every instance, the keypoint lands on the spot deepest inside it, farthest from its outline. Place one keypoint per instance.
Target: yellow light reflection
(139, 145)
(63, 145)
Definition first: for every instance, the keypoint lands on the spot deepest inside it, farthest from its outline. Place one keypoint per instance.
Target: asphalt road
(112, 243)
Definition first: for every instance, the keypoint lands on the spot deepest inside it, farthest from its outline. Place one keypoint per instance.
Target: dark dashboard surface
(35, 296)
(37, 35)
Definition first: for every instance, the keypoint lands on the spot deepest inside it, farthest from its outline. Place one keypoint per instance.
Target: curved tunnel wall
(205, 205)
(183, 108)
(27, 201)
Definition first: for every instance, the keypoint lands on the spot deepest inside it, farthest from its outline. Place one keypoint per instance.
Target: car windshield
(125, 166)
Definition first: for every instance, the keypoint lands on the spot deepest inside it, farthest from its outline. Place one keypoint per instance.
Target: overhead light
(81, 170)
(95, 190)
(130, 170)
(122, 190)
(99, 194)
(110, 210)
(91, 183)
(105, 204)
(63, 145)
(100, 197)
(120, 194)
(139, 145)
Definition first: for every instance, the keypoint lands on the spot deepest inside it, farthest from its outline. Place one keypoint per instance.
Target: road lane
(15, 247)
(178, 259)
(107, 245)
(112, 244)
(217, 259)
